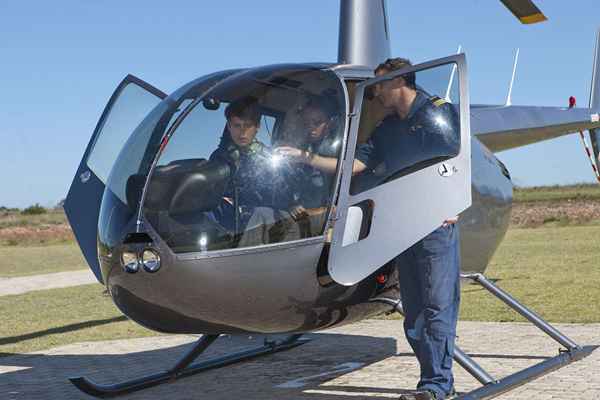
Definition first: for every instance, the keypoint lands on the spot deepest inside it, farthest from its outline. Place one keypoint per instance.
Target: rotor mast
(364, 36)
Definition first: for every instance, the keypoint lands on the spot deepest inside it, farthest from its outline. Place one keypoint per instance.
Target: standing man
(420, 130)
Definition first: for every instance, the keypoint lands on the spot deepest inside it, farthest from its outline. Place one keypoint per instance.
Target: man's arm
(325, 164)
(329, 164)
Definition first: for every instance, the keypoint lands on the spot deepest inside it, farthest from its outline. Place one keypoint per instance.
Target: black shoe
(419, 395)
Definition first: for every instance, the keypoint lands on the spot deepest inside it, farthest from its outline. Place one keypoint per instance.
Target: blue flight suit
(318, 184)
(314, 187)
(429, 271)
(262, 193)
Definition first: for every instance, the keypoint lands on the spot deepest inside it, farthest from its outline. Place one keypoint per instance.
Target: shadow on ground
(61, 329)
(308, 366)
(331, 366)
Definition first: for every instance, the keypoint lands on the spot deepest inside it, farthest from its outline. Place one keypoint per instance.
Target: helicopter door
(130, 103)
(418, 166)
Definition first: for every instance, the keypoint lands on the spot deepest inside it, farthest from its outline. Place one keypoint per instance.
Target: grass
(554, 271)
(557, 193)
(32, 260)
(11, 219)
(18, 229)
(49, 318)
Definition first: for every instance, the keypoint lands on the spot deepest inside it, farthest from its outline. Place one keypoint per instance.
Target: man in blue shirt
(320, 121)
(420, 130)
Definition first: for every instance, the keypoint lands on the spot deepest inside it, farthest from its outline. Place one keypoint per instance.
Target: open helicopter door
(421, 181)
(130, 103)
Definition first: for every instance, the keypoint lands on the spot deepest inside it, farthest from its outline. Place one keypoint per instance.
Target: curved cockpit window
(236, 167)
(132, 165)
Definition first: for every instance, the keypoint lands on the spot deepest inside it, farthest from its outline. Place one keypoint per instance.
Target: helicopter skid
(184, 367)
(492, 387)
(496, 388)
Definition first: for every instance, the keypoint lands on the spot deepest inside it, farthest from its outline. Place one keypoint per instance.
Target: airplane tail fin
(595, 100)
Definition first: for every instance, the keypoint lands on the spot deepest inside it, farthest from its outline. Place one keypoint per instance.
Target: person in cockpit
(255, 205)
(319, 121)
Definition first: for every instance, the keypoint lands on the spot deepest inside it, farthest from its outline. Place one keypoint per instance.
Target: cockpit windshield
(237, 165)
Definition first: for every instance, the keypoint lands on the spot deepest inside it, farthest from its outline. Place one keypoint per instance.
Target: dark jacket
(253, 176)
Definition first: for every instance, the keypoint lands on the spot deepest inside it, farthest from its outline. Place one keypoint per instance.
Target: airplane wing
(506, 127)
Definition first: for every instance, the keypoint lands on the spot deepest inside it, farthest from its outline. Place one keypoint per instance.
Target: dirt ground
(22, 235)
(567, 212)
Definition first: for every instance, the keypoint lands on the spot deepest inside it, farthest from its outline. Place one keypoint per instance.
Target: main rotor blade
(525, 10)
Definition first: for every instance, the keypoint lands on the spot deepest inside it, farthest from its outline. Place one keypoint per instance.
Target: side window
(133, 104)
(197, 136)
(408, 122)
(200, 132)
(265, 132)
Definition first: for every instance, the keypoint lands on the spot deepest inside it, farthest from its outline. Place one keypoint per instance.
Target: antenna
(595, 88)
(595, 101)
(512, 80)
(451, 81)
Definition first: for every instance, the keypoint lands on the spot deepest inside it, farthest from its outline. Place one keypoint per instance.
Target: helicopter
(178, 255)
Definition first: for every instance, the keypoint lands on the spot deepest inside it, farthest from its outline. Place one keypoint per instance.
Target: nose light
(150, 260)
(130, 262)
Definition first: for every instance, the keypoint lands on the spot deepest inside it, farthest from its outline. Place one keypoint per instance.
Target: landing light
(130, 262)
(203, 242)
(151, 260)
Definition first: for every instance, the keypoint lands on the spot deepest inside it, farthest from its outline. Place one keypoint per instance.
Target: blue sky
(60, 62)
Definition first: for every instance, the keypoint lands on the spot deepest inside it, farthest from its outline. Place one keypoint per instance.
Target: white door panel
(405, 202)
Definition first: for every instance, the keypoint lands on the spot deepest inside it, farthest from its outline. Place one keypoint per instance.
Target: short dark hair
(394, 64)
(244, 108)
(324, 104)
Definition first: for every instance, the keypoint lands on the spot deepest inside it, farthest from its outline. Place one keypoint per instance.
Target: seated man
(258, 200)
(320, 124)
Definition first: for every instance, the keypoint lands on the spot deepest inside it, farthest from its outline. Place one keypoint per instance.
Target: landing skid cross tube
(572, 351)
(183, 367)
(492, 387)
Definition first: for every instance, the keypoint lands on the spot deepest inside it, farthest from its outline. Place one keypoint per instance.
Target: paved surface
(367, 360)
(55, 280)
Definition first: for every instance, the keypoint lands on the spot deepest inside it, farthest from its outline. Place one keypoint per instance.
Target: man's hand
(293, 153)
(298, 212)
(450, 221)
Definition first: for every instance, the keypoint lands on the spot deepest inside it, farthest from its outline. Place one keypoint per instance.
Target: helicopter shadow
(299, 373)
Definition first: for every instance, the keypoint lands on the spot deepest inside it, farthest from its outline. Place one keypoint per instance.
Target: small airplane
(161, 223)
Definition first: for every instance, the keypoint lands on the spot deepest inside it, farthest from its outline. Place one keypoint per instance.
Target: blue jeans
(429, 274)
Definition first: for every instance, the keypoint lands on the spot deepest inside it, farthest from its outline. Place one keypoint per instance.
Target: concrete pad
(24, 284)
(367, 360)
